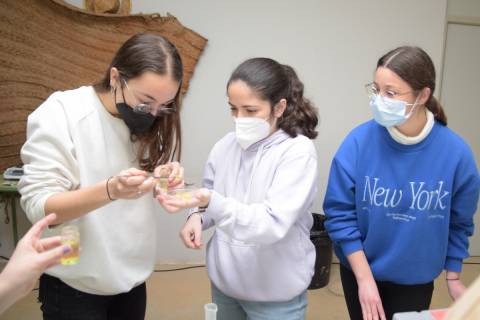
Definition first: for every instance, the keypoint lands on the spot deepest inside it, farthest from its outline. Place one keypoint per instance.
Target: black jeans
(62, 302)
(395, 297)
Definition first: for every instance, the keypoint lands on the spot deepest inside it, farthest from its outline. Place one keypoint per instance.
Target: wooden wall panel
(48, 45)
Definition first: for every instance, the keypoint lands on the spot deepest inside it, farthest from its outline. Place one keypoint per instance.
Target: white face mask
(251, 130)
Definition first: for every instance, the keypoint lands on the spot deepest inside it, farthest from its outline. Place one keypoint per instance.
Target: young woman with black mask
(89, 157)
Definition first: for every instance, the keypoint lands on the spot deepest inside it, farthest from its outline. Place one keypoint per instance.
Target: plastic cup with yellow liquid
(162, 185)
(70, 236)
(184, 194)
(162, 180)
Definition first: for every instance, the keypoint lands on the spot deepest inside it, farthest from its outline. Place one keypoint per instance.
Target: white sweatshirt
(261, 249)
(73, 142)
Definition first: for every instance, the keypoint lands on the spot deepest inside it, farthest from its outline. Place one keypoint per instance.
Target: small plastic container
(162, 181)
(210, 311)
(70, 235)
(162, 185)
(184, 193)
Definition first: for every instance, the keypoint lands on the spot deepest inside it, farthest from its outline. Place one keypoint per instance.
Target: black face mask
(137, 122)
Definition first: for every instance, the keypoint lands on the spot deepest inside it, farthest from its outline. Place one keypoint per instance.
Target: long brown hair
(149, 52)
(416, 68)
(273, 81)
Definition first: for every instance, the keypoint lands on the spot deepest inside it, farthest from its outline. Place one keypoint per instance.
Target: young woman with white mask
(260, 182)
(89, 156)
(401, 195)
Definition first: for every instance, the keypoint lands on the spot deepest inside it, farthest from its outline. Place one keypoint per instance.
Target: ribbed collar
(403, 139)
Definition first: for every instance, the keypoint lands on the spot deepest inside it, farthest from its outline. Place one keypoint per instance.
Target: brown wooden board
(48, 45)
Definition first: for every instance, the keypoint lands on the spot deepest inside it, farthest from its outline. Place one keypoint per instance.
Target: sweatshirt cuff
(351, 246)
(216, 207)
(453, 264)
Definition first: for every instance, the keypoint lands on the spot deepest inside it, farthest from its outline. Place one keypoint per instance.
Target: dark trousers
(395, 297)
(62, 302)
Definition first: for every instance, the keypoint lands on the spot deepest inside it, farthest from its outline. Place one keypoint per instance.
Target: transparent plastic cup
(70, 236)
(161, 185)
(162, 181)
(210, 311)
(184, 193)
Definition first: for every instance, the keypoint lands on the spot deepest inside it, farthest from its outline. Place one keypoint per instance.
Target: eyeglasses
(373, 91)
(147, 108)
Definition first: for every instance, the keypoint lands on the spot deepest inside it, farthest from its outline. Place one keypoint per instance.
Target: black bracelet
(452, 279)
(108, 192)
(197, 212)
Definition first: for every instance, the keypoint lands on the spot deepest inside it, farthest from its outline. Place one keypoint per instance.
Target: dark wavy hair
(150, 52)
(416, 68)
(272, 82)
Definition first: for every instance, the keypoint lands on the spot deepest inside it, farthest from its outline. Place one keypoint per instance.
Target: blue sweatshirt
(408, 207)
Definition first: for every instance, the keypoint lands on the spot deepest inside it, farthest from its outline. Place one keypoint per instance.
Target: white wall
(464, 8)
(460, 94)
(333, 45)
(461, 83)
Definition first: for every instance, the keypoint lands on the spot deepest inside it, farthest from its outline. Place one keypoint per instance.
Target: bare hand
(370, 301)
(455, 289)
(200, 198)
(191, 233)
(32, 257)
(130, 184)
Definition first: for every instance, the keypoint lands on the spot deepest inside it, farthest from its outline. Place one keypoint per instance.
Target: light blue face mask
(390, 112)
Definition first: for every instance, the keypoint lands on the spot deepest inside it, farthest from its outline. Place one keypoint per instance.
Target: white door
(461, 94)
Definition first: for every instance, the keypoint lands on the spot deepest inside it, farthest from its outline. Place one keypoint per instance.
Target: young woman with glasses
(401, 195)
(89, 157)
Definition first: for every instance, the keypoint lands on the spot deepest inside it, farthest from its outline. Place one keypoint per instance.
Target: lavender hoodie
(260, 206)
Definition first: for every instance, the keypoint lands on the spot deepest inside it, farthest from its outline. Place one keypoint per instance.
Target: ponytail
(434, 106)
(300, 116)
(273, 82)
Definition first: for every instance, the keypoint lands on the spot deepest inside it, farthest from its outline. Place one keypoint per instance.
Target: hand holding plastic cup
(162, 185)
